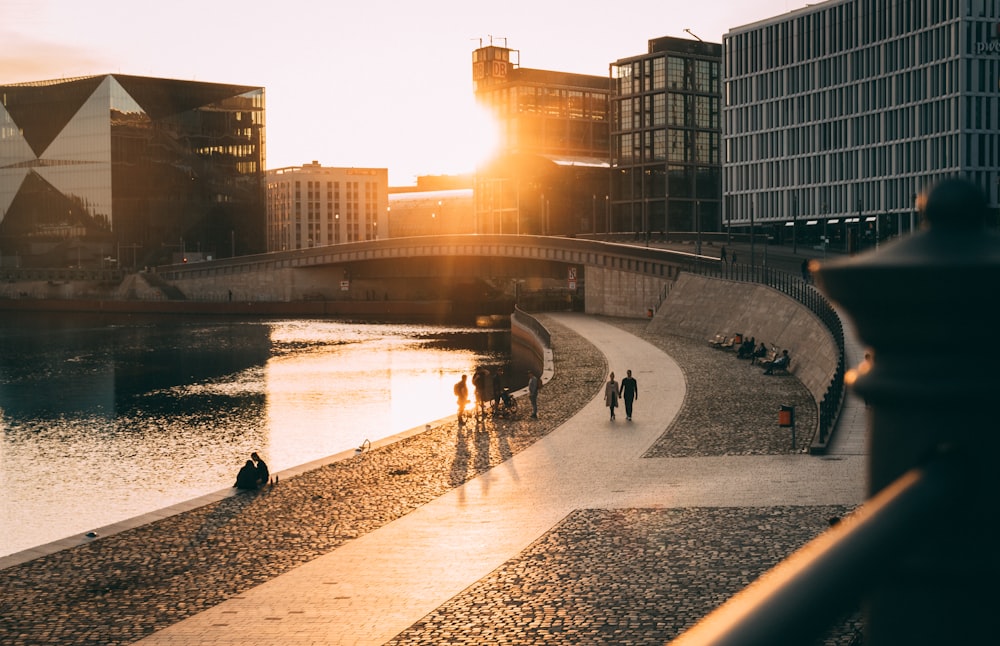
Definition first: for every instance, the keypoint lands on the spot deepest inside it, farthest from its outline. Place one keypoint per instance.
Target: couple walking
(628, 390)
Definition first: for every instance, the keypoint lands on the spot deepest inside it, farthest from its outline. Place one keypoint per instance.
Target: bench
(770, 368)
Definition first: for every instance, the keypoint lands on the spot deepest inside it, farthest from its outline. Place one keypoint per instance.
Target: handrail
(807, 592)
(795, 287)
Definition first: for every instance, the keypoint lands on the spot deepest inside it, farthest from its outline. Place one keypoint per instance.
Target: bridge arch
(614, 279)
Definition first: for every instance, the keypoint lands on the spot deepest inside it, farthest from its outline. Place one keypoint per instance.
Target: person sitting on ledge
(263, 475)
(781, 363)
(247, 477)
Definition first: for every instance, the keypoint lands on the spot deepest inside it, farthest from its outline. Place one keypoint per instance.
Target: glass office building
(551, 169)
(666, 170)
(838, 115)
(129, 171)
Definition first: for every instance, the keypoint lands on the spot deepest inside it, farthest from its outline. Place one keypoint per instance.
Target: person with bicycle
(497, 387)
(479, 383)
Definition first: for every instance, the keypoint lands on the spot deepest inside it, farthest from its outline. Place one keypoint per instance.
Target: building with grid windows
(314, 205)
(129, 171)
(551, 168)
(838, 115)
(666, 172)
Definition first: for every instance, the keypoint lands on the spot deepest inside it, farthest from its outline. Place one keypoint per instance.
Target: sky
(365, 83)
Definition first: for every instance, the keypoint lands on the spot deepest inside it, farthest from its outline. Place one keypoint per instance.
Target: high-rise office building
(553, 146)
(314, 205)
(666, 170)
(129, 170)
(838, 115)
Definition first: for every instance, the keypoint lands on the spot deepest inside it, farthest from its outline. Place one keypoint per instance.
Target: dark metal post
(925, 307)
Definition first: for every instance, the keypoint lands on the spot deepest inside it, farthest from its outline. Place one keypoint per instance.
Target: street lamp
(607, 214)
(795, 209)
(697, 218)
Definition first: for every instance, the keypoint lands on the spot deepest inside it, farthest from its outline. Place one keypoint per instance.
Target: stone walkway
(576, 537)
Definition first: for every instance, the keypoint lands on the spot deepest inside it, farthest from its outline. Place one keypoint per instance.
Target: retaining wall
(699, 307)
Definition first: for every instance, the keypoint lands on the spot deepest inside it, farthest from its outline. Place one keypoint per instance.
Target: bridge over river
(598, 277)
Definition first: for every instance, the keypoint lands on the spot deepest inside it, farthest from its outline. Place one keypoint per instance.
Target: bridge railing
(805, 293)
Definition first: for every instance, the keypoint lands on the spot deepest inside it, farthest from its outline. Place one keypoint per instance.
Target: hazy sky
(381, 83)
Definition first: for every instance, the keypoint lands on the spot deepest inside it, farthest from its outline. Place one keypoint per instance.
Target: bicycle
(504, 407)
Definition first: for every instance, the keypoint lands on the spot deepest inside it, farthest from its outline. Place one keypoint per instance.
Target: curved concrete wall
(699, 307)
(529, 348)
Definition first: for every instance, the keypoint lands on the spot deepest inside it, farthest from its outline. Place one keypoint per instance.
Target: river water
(105, 419)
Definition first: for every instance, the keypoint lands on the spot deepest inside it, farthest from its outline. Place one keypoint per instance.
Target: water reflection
(101, 420)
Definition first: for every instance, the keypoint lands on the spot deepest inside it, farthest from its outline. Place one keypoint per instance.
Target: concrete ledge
(699, 307)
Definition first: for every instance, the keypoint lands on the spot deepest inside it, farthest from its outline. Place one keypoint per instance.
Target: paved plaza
(567, 529)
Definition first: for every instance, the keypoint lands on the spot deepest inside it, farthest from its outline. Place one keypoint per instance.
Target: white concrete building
(836, 116)
(313, 205)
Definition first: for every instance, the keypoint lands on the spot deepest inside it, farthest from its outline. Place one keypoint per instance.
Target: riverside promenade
(567, 529)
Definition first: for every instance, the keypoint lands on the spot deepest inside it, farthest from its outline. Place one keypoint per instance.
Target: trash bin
(786, 416)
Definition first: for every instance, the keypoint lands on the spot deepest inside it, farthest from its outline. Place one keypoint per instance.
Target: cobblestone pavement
(120, 588)
(731, 406)
(632, 576)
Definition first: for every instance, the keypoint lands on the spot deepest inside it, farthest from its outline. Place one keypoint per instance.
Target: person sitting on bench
(781, 363)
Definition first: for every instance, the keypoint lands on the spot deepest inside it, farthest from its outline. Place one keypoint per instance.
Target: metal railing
(827, 578)
(798, 289)
(918, 555)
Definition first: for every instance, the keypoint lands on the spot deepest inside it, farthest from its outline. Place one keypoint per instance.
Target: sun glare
(475, 139)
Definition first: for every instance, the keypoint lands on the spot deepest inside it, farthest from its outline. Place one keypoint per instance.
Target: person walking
(611, 394)
(462, 396)
(533, 393)
(722, 255)
(479, 384)
(629, 391)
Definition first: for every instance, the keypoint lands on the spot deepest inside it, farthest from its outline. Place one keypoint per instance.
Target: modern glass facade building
(666, 170)
(553, 147)
(129, 170)
(314, 205)
(838, 115)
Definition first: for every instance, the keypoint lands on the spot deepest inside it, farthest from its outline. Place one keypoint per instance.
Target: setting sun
(472, 142)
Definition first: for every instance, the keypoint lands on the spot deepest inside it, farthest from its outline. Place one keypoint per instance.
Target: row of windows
(553, 102)
(688, 146)
(841, 28)
(673, 109)
(943, 154)
(556, 135)
(863, 99)
(882, 128)
(700, 182)
(836, 202)
(914, 84)
(328, 221)
(313, 233)
(910, 158)
(663, 73)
